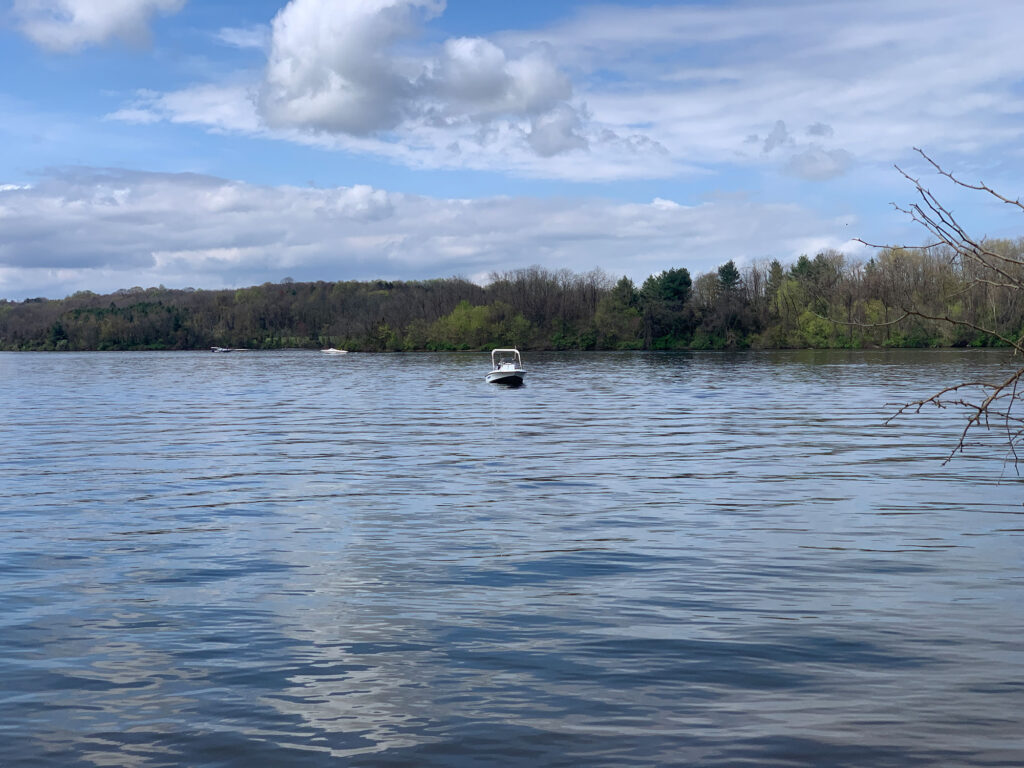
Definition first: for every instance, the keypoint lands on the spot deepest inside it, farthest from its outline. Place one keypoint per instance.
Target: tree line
(825, 301)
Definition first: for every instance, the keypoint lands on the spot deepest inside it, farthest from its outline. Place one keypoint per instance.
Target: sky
(226, 143)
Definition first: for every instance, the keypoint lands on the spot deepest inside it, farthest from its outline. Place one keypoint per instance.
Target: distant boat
(333, 351)
(227, 349)
(506, 367)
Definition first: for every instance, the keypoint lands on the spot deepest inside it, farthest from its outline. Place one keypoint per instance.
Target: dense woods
(822, 301)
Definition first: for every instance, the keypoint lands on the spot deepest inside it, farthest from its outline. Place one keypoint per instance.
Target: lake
(636, 559)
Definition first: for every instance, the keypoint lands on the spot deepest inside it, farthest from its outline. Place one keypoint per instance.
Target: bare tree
(989, 405)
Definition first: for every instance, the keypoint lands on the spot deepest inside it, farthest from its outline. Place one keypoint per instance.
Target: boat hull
(511, 378)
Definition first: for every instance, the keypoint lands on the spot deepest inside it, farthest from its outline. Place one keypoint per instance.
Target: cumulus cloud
(345, 76)
(334, 79)
(333, 68)
(475, 77)
(556, 132)
(106, 229)
(331, 65)
(70, 25)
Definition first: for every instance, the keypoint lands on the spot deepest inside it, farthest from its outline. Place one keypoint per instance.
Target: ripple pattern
(293, 559)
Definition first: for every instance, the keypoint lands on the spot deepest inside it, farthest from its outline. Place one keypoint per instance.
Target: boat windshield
(506, 357)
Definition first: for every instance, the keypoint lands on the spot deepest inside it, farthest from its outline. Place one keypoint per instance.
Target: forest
(825, 301)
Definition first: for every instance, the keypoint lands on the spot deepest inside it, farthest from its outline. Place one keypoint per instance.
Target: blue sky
(219, 144)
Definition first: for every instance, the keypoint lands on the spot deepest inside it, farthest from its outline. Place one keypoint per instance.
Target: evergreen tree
(664, 298)
(728, 276)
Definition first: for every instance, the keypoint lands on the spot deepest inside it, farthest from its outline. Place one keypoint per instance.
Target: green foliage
(666, 315)
(728, 276)
(672, 285)
(705, 340)
(815, 331)
(466, 327)
(617, 320)
(816, 302)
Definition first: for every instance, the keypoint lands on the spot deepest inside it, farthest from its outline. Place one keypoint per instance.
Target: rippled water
(278, 559)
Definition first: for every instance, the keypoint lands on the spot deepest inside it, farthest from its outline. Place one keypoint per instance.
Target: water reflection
(674, 559)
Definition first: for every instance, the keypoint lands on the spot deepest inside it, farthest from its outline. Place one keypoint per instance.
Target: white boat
(506, 367)
(333, 351)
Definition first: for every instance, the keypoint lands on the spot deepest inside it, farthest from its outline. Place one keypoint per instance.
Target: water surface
(633, 560)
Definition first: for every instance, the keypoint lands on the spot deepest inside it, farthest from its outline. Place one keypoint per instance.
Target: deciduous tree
(985, 265)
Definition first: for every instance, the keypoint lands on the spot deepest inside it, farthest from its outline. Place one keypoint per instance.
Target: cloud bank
(107, 229)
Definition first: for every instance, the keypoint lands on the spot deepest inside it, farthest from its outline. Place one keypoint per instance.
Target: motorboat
(333, 351)
(506, 367)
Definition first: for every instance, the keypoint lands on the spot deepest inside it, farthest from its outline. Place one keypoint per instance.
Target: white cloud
(256, 36)
(556, 132)
(668, 89)
(665, 205)
(142, 114)
(219, 107)
(335, 78)
(495, 145)
(701, 79)
(70, 25)
(334, 68)
(470, 71)
(101, 230)
(476, 78)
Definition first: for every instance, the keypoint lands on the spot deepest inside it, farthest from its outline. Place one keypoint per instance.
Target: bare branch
(964, 323)
(897, 247)
(987, 268)
(855, 324)
(979, 187)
